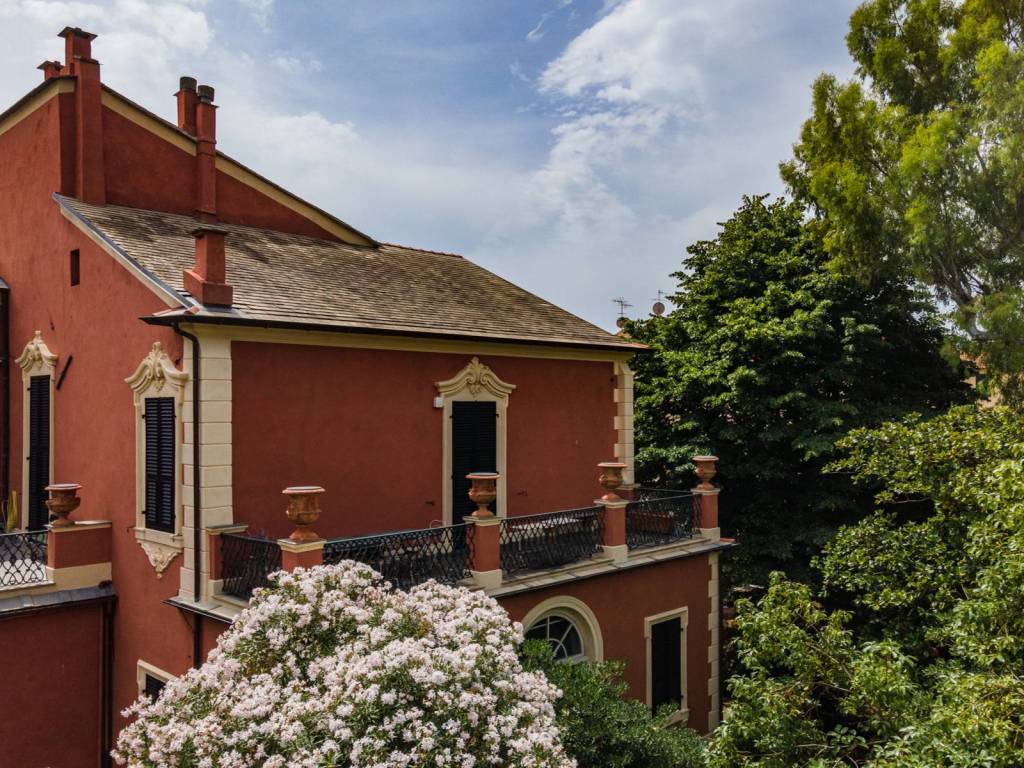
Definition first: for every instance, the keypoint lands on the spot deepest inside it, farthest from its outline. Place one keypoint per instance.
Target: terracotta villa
(183, 340)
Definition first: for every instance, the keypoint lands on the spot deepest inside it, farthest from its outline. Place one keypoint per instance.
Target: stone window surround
(143, 668)
(476, 382)
(35, 360)
(576, 611)
(683, 713)
(156, 377)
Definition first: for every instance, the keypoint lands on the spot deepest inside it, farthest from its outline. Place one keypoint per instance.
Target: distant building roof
(286, 279)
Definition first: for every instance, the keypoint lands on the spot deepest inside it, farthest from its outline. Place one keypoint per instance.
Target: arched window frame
(36, 359)
(475, 383)
(579, 613)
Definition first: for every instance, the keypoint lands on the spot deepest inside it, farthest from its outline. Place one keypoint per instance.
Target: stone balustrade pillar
(485, 552)
(708, 496)
(303, 548)
(215, 554)
(77, 551)
(614, 539)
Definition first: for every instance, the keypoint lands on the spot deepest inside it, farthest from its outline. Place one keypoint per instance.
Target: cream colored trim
(79, 576)
(36, 359)
(155, 377)
(55, 87)
(322, 220)
(475, 382)
(297, 547)
(132, 113)
(143, 668)
(714, 624)
(405, 343)
(165, 294)
(579, 613)
(624, 421)
(649, 621)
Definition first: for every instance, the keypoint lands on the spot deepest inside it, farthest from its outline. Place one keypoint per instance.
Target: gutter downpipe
(5, 389)
(197, 516)
(107, 720)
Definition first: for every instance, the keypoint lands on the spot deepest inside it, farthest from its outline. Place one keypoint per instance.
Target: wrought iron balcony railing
(551, 540)
(22, 558)
(247, 561)
(407, 558)
(658, 517)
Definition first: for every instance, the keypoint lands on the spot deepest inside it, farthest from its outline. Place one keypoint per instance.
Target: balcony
(22, 559)
(526, 546)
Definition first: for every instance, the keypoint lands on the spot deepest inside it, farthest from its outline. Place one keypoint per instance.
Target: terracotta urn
(303, 510)
(705, 471)
(611, 479)
(62, 502)
(483, 492)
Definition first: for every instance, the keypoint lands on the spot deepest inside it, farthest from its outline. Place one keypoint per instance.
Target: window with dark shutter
(666, 663)
(153, 686)
(474, 449)
(38, 451)
(160, 466)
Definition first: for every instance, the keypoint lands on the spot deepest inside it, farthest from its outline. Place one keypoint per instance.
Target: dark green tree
(917, 167)
(925, 666)
(768, 358)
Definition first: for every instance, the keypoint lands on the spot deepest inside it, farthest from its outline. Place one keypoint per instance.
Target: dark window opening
(667, 663)
(561, 634)
(76, 267)
(160, 464)
(38, 451)
(153, 686)
(474, 449)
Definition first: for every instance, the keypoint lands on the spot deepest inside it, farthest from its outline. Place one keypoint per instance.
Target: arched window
(561, 634)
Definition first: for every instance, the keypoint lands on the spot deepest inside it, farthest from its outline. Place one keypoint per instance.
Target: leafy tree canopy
(918, 168)
(925, 666)
(767, 360)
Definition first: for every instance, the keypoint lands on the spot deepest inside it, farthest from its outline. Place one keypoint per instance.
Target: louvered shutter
(38, 451)
(160, 466)
(153, 687)
(666, 663)
(474, 449)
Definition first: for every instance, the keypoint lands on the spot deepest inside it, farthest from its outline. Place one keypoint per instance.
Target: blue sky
(574, 147)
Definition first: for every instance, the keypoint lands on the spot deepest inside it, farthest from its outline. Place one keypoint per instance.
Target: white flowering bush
(331, 667)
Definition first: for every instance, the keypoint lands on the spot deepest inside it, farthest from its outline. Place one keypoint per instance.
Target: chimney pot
(77, 44)
(187, 101)
(206, 93)
(187, 84)
(50, 69)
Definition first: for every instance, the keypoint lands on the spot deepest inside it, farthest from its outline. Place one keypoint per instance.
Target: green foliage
(601, 728)
(926, 667)
(768, 359)
(918, 169)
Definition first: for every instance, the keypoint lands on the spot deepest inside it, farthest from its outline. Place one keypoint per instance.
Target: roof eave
(178, 318)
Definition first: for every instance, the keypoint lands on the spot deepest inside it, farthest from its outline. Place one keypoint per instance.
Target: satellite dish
(620, 323)
(658, 309)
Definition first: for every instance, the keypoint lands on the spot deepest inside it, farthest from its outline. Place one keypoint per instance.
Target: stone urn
(611, 479)
(705, 471)
(62, 502)
(483, 492)
(303, 510)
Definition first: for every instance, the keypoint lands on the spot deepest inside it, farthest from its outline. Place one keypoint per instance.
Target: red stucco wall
(50, 689)
(621, 600)
(362, 424)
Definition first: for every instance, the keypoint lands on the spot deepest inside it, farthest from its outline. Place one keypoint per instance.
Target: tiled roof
(280, 278)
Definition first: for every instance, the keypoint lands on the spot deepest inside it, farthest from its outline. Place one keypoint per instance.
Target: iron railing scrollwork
(246, 561)
(550, 540)
(22, 558)
(657, 517)
(407, 558)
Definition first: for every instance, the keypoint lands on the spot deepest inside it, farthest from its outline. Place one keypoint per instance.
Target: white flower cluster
(331, 667)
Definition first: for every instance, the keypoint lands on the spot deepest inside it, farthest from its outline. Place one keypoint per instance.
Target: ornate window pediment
(36, 356)
(155, 374)
(477, 378)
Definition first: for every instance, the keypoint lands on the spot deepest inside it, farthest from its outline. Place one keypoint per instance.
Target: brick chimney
(89, 186)
(207, 280)
(206, 155)
(187, 101)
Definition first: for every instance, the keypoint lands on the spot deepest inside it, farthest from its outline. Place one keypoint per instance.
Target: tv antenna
(623, 306)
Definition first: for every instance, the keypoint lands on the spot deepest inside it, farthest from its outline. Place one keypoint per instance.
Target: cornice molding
(475, 377)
